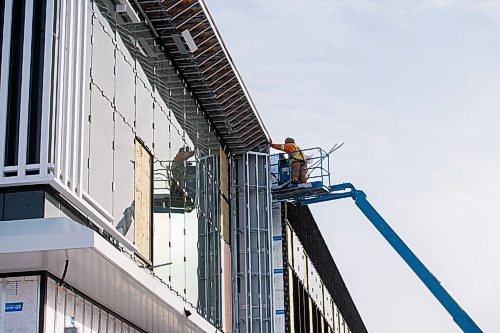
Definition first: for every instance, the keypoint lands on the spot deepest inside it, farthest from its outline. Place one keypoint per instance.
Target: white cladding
(19, 304)
(65, 309)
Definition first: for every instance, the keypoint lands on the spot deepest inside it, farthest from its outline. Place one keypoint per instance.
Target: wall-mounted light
(189, 41)
(125, 7)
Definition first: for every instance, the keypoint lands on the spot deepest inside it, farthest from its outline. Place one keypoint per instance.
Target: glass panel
(161, 219)
(178, 267)
(23, 205)
(14, 93)
(123, 196)
(36, 83)
(1, 206)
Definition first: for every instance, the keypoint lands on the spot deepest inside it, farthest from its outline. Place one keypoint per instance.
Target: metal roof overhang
(96, 268)
(190, 39)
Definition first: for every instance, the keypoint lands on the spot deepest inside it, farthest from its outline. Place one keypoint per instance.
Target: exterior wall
(300, 288)
(106, 85)
(19, 304)
(38, 303)
(65, 309)
(322, 273)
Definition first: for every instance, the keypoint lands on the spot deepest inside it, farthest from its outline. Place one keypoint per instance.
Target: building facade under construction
(135, 182)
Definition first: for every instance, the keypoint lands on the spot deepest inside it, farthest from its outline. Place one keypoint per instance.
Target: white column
(25, 89)
(4, 80)
(47, 88)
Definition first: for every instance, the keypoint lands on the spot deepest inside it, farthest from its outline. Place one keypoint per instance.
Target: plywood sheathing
(143, 200)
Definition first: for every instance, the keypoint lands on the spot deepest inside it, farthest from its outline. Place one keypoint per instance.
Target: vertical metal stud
(234, 243)
(259, 246)
(247, 274)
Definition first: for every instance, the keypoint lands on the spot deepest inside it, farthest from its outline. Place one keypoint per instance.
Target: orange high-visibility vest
(292, 149)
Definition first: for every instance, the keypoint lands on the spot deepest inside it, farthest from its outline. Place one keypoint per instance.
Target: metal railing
(318, 167)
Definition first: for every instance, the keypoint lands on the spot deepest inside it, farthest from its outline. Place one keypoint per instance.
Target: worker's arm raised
(278, 146)
(287, 147)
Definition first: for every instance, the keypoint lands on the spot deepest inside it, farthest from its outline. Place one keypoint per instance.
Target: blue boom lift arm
(349, 191)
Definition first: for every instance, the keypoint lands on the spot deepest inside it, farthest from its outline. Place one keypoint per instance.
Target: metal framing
(168, 20)
(209, 232)
(252, 245)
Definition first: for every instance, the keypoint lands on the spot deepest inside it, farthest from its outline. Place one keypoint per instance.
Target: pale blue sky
(413, 89)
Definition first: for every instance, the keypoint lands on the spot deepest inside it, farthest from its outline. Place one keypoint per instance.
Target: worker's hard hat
(289, 140)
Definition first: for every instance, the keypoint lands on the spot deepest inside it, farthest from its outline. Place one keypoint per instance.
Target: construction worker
(182, 175)
(298, 164)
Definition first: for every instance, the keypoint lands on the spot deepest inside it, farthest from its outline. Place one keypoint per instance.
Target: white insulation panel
(336, 319)
(328, 307)
(315, 286)
(19, 304)
(299, 259)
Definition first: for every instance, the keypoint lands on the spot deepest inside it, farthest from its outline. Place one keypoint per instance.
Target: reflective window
(123, 195)
(14, 84)
(36, 83)
(23, 205)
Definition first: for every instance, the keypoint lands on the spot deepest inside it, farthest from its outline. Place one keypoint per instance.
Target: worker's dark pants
(299, 171)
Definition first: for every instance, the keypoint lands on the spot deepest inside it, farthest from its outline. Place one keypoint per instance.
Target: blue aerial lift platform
(318, 189)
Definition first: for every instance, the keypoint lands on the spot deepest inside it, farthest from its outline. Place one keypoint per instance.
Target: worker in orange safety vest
(297, 160)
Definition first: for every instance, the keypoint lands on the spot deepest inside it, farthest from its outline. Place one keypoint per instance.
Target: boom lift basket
(318, 171)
